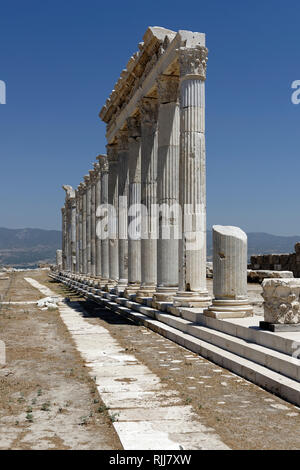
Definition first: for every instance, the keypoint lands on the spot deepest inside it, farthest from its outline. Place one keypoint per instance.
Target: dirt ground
(47, 399)
(43, 367)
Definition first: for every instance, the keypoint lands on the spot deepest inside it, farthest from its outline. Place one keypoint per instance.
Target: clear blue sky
(60, 60)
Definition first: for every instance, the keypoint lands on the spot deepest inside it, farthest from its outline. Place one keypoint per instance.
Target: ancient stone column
(97, 211)
(230, 274)
(73, 233)
(80, 193)
(70, 205)
(63, 244)
(88, 224)
(77, 254)
(134, 202)
(59, 259)
(93, 222)
(192, 186)
(84, 252)
(102, 228)
(122, 149)
(149, 112)
(112, 156)
(168, 189)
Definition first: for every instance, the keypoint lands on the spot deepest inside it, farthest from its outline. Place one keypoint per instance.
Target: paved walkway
(147, 414)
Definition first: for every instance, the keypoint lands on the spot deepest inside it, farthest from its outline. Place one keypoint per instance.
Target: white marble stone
(281, 300)
(230, 273)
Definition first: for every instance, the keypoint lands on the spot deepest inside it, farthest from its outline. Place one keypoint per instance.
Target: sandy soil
(43, 367)
(47, 399)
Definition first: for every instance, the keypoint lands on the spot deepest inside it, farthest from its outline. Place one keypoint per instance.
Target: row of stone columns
(156, 160)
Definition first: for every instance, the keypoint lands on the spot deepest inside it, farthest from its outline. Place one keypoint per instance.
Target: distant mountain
(263, 243)
(28, 246)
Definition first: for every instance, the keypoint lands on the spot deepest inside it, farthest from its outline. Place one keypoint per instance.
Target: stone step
(276, 372)
(263, 355)
(274, 382)
(252, 333)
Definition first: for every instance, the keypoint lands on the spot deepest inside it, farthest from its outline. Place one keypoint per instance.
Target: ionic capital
(167, 87)
(192, 62)
(97, 169)
(70, 193)
(103, 162)
(87, 181)
(93, 176)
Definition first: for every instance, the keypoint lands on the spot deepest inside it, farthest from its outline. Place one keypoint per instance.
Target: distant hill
(263, 243)
(28, 246)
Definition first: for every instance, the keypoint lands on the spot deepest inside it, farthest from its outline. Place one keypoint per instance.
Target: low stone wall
(278, 262)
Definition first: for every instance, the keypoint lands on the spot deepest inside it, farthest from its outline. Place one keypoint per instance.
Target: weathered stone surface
(230, 273)
(259, 275)
(209, 270)
(59, 259)
(281, 300)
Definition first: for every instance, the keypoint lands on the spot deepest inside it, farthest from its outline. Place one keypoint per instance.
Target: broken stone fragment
(281, 300)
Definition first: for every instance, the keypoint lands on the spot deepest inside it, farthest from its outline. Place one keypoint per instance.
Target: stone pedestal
(281, 304)
(230, 274)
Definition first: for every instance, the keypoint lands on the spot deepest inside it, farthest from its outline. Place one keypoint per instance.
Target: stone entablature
(162, 52)
(278, 262)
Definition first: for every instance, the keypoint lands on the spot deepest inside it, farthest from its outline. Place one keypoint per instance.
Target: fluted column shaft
(77, 243)
(149, 111)
(93, 222)
(112, 156)
(64, 244)
(73, 235)
(192, 246)
(84, 251)
(103, 230)
(134, 201)
(80, 229)
(230, 273)
(168, 187)
(97, 220)
(122, 208)
(88, 224)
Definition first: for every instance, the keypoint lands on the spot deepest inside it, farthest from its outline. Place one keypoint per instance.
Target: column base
(229, 309)
(120, 287)
(131, 290)
(163, 295)
(145, 292)
(191, 299)
(110, 285)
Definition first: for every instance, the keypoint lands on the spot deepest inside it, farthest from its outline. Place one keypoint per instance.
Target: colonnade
(137, 223)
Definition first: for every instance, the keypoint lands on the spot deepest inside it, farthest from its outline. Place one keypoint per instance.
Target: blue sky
(60, 61)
